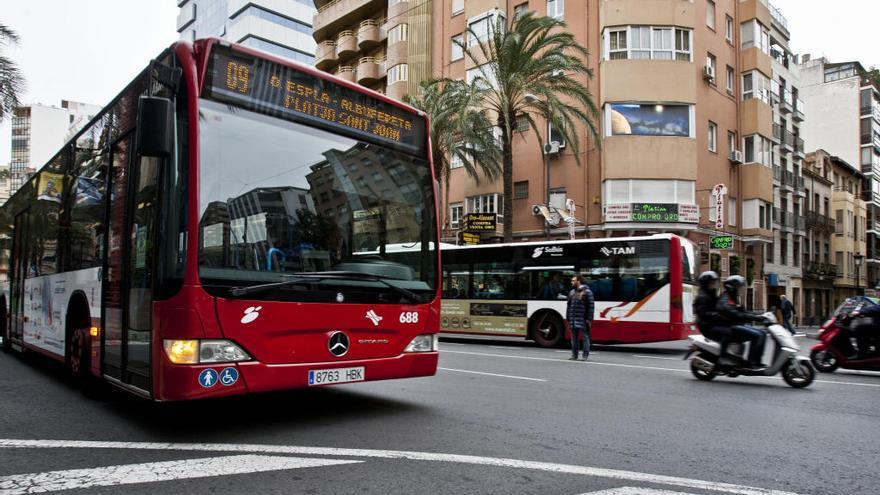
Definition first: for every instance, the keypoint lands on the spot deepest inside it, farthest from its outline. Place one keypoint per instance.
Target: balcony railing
(787, 141)
(777, 173)
(778, 132)
(819, 222)
(786, 103)
(819, 271)
(798, 110)
(799, 146)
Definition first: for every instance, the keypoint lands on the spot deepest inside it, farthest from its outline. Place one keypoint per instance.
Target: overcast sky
(87, 50)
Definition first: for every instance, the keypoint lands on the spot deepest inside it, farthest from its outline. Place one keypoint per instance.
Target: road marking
(494, 374)
(657, 357)
(500, 347)
(630, 490)
(616, 474)
(621, 365)
(150, 472)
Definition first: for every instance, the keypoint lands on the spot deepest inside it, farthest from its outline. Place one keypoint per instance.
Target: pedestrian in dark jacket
(579, 314)
(787, 311)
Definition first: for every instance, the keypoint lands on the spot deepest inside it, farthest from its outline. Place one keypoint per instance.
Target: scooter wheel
(798, 379)
(824, 361)
(702, 375)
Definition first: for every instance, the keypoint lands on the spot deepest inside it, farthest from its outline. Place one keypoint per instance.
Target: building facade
(819, 270)
(384, 45)
(38, 131)
(848, 242)
(280, 27)
(700, 121)
(849, 128)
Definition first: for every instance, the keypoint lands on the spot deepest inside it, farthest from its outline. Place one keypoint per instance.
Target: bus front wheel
(548, 330)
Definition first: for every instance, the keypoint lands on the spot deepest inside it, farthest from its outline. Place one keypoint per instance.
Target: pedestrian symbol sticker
(208, 378)
(228, 376)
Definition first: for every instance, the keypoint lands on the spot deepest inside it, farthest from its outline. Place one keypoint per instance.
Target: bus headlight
(423, 343)
(204, 351)
(221, 351)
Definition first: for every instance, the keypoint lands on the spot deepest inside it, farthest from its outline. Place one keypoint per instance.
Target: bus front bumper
(188, 382)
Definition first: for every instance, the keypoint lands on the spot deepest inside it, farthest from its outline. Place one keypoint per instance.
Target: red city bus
(231, 223)
(644, 288)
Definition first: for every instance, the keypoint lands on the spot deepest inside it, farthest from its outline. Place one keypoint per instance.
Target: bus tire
(547, 329)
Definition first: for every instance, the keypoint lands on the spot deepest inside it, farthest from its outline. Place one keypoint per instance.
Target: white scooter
(796, 369)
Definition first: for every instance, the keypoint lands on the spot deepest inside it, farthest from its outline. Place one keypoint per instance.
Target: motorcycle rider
(736, 316)
(709, 320)
(867, 330)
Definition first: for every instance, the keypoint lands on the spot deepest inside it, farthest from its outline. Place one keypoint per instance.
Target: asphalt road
(499, 417)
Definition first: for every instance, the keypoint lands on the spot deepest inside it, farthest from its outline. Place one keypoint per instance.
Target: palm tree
(11, 79)
(461, 130)
(536, 70)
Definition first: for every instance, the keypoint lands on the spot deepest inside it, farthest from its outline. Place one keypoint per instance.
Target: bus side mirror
(155, 127)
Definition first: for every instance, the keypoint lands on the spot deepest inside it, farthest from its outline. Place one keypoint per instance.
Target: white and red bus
(221, 227)
(643, 286)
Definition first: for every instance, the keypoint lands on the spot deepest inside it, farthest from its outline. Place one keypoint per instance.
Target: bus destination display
(268, 87)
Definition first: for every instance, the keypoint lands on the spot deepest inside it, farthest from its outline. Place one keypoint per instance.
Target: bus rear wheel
(78, 353)
(548, 330)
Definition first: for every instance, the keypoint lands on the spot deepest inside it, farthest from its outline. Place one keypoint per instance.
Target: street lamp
(857, 258)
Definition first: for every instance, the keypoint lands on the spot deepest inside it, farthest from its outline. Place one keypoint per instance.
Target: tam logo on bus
(608, 251)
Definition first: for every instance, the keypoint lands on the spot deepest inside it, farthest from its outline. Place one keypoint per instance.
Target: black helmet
(734, 282)
(706, 279)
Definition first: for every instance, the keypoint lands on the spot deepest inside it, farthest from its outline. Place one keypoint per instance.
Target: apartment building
(848, 241)
(384, 45)
(849, 128)
(280, 27)
(819, 270)
(38, 131)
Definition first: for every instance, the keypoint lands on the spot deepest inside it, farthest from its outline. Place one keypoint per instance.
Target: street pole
(547, 184)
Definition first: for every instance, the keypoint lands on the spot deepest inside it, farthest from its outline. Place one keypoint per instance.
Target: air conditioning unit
(557, 73)
(736, 156)
(709, 73)
(551, 148)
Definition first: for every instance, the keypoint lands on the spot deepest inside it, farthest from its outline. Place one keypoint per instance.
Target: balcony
(786, 104)
(369, 34)
(336, 15)
(799, 147)
(778, 132)
(367, 70)
(817, 222)
(787, 181)
(798, 114)
(346, 72)
(815, 270)
(787, 142)
(346, 45)
(777, 173)
(325, 55)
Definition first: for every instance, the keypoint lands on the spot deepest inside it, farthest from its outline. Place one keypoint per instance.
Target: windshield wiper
(321, 276)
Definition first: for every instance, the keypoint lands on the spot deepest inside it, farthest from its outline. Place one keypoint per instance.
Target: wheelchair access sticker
(228, 376)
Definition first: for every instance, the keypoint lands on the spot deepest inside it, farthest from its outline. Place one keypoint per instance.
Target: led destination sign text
(272, 88)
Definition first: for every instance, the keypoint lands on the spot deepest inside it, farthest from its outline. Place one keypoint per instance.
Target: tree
(11, 78)
(461, 130)
(535, 70)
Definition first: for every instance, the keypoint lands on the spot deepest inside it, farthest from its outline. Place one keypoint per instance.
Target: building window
(648, 43)
(486, 72)
(728, 29)
(521, 189)
(713, 137)
(457, 7)
(761, 218)
(398, 73)
(455, 161)
(555, 135)
(555, 8)
(730, 79)
(648, 119)
(710, 14)
(522, 123)
(757, 149)
(457, 52)
(520, 10)
(397, 33)
(455, 212)
(712, 64)
(731, 212)
(619, 191)
(485, 203)
(756, 85)
(483, 25)
(754, 34)
(731, 141)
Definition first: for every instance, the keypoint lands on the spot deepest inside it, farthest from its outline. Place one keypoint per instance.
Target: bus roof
(566, 241)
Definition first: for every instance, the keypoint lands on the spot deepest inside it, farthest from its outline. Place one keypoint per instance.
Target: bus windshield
(279, 198)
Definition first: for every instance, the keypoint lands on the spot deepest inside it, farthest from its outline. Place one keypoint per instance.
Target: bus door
(128, 278)
(19, 265)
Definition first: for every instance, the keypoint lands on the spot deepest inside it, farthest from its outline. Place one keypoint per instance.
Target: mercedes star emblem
(338, 344)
